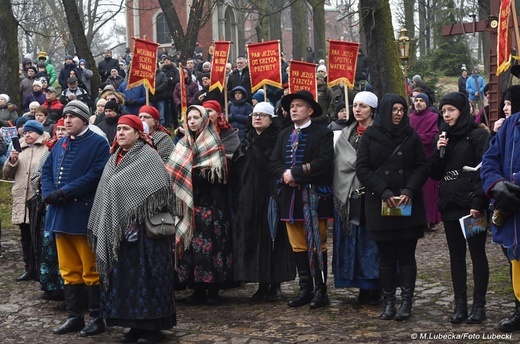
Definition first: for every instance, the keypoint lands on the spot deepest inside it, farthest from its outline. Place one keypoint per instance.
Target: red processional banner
(143, 65)
(182, 86)
(264, 64)
(218, 66)
(302, 76)
(503, 38)
(342, 63)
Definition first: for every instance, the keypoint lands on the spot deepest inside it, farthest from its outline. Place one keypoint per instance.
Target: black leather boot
(304, 274)
(408, 275)
(320, 299)
(261, 292)
(387, 278)
(375, 297)
(74, 304)
(363, 296)
(274, 293)
(460, 313)
(96, 323)
(478, 310)
(512, 323)
(26, 252)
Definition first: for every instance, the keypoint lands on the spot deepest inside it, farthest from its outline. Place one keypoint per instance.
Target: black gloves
(56, 197)
(130, 102)
(507, 196)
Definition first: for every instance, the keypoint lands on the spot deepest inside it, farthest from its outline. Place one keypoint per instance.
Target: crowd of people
(251, 187)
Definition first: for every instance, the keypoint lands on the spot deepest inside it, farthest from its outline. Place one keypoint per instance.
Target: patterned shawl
(201, 150)
(132, 190)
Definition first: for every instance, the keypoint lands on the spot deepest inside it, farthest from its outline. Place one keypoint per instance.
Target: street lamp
(404, 45)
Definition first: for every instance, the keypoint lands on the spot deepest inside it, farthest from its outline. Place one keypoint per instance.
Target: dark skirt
(50, 277)
(412, 233)
(140, 290)
(208, 261)
(355, 262)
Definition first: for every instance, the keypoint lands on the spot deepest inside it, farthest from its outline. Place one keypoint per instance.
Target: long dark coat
(254, 255)
(404, 173)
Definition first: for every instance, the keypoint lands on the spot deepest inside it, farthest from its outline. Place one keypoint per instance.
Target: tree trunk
(483, 13)
(381, 47)
(262, 27)
(9, 53)
(299, 30)
(275, 22)
(80, 41)
(318, 15)
(422, 28)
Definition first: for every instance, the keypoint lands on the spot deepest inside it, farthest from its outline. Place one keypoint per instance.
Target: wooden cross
(490, 25)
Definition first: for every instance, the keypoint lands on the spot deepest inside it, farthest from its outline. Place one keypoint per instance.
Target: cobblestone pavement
(25, 318)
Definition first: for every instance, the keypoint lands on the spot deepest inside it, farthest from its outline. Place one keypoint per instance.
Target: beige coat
(21, 172)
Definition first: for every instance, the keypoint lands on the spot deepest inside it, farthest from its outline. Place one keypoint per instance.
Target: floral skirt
(209, 258)
(50, 277)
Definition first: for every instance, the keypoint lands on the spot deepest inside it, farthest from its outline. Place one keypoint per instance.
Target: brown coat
(21, 171)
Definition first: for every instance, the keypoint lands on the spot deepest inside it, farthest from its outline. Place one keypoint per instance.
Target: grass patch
(6, 204)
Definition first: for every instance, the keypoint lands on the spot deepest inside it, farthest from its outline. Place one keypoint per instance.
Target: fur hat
(366, 97)
(303, 95)
(78, 109)
(264, 107)
(32, 125)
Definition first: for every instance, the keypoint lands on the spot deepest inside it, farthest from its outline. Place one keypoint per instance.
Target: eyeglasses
(145, 117)
(395, 111)
(109, 99)
(259, 114)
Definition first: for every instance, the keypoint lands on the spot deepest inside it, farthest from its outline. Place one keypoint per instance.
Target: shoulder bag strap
(391, 155)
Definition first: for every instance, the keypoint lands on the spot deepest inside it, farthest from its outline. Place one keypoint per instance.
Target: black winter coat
(404, 173)
(457, 197)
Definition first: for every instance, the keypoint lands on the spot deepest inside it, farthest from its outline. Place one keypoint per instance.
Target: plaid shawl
(201, 150)
(130, 191)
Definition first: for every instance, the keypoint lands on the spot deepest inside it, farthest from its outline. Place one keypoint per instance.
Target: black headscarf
(465, 122)
(383, 118)
(513, 95)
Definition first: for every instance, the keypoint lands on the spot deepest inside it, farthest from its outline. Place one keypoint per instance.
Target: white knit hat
(322, 68)
(37, 82)
(6, 97)
(366, 97)
(264, 107)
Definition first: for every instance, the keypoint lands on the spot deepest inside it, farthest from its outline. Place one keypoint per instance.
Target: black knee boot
(460, 313)
(26, 251)
(320, 298)
(513, 323)
(274, 293)
(304, 275)
(96, 323)
(478, 310)
(75, 306)
(387, 278)
(261, 293)
(408, 275)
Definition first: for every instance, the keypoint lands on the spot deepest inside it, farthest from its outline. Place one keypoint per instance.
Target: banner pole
(265, 93)
(346, 102)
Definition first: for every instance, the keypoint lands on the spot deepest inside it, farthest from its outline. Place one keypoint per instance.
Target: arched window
(163, 31)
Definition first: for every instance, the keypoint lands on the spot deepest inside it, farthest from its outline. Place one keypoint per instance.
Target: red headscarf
(222, 122)
(134, 122)
(152, 111)
(52, 141)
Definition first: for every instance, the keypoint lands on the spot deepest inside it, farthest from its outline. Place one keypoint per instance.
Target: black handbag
(356, 214)
(159, 226)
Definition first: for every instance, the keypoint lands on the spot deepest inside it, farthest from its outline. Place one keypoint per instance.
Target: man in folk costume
(302, 163)
(69, 178)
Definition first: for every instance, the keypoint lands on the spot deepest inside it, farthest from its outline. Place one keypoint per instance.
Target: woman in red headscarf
(136, 273)
(160, 135)
(228, 135)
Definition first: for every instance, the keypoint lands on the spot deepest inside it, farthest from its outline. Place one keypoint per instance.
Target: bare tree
(318, 23)
(198, 17)
(9, 52)
(80, 40)
(299, 26)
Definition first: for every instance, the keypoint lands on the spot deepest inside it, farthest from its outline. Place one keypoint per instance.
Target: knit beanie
(259, 96)
(366, 97)
(6, 97)
(77, 108)
(112, 105)
(264, 107)
(32, 125)
(339, 106)
(20, 121)
(456, 99)
(423, 97)
(513, 95)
